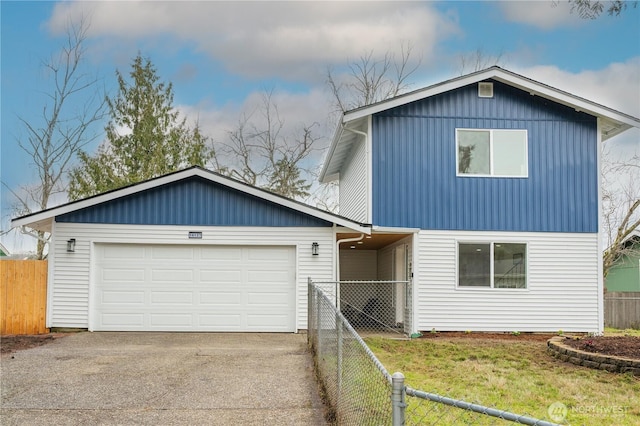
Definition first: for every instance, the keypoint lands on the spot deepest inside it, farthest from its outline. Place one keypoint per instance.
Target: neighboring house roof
(3, 251)
(43, 220)
(612, 122)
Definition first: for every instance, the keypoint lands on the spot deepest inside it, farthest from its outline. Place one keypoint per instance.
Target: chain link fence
(373, 307)
(357, 388)
(355, 384)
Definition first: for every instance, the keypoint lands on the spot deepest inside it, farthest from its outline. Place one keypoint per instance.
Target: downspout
(345, 240)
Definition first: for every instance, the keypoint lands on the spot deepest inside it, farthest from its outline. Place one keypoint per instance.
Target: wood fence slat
(622, 309)
(23, 289)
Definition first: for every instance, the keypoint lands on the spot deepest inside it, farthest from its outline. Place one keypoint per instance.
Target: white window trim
(491, 266)
(491, 174)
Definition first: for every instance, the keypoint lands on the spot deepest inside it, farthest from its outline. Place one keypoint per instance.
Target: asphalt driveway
(162, 379)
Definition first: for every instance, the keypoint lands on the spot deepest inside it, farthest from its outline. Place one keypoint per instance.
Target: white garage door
(193, 288)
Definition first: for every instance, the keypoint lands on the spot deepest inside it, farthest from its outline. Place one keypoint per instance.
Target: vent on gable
(485, 90)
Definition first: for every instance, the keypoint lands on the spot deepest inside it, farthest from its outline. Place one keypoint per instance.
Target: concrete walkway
(162, 379)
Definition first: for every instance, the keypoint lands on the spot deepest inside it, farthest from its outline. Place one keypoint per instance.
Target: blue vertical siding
(192, 201)
(414, 165)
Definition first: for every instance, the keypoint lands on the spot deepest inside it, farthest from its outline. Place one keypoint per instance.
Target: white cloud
(287, 39)
(545, 14)
(617, 86)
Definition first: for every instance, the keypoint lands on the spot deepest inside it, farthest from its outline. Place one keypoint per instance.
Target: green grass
(617, 332)
(517, 376)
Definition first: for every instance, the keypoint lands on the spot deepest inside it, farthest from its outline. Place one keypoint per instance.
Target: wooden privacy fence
(23, 296)
(622, 309)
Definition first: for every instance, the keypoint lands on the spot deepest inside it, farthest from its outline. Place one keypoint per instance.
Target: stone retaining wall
(610, 363)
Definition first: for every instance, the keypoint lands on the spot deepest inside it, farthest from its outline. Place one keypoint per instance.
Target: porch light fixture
(315, 248)
(71, 245)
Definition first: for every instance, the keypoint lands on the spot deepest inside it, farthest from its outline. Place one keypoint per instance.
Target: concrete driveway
(162, 379)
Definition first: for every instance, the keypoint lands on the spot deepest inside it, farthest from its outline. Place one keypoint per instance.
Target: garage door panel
(171, 320)
(221, 322)
(274, 278)
(123, 252)
(280, 299)
(122, 297)
(122, 321)
(221, 299)
(212, 276)
(172, 298)
(123, 274)
(171, 252)
(268, 254)
(173, 275)
(196, 288)
(221, 253)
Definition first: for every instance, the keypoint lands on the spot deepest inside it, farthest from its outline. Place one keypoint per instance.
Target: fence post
(397, 399)
(339, 344)
(318, 320)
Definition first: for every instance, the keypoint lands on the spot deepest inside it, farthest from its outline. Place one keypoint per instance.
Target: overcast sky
(221, 56)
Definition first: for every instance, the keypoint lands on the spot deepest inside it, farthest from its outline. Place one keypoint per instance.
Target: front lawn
(516, 375)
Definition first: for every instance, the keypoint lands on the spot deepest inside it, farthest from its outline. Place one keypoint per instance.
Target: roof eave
(623, 121)
(324, 178)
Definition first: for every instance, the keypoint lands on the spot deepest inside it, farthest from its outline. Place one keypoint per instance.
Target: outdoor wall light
(71, 245)
(314, 249)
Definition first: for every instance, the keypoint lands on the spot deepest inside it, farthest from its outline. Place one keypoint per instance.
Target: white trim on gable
(43, 220)
(612, 122)
(512, 79)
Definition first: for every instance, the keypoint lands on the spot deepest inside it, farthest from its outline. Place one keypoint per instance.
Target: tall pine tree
(145, 137)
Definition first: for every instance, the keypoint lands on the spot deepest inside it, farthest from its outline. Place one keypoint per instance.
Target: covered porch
(374, 281)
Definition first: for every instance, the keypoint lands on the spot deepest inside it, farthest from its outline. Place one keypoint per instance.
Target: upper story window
(491, 152)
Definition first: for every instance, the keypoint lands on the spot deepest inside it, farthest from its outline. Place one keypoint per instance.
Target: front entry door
(400, 273)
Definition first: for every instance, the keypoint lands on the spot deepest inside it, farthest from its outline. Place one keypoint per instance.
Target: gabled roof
(612, 122)
(43, 220)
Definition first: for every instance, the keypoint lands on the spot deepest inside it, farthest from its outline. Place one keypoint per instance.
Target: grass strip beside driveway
(513, 375)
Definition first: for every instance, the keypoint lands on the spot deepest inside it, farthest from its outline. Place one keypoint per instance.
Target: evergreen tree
(145, 137)
(285, 180)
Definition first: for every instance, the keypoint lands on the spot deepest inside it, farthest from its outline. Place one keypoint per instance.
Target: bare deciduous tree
(259, 153)
(478, 60)
(621, 207)
(65, 126)
(369, 80)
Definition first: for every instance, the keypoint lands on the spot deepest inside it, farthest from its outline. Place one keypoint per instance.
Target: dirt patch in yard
(13, 343)
(621, 346)
(527, 337)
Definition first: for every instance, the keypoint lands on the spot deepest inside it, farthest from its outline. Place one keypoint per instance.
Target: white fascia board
(507, 77)
(417, 95)
(392, 230)
(567, 99)
(92, 201)
(48, 215)
(324, 178)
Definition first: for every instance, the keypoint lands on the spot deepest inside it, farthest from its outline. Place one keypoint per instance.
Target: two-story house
(477, 198)
(491, 184)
